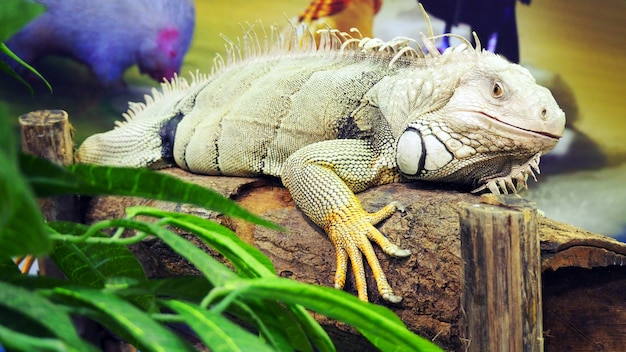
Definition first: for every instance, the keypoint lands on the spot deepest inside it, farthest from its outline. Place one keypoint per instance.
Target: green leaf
(247, 259)
(92, 264)
(380, 325)
(278, 325)
(48, 179)
(282, 326)
(125, 319)
(95, 264)
(14, 340)
(266, 316)
(217, 273)
(262, 314)
(15, 14)
(189, 288)
(8, 269)
(312, 329)
(32, 283)
(22, 229)
(9, 70)
(218, 333)
(27, 312)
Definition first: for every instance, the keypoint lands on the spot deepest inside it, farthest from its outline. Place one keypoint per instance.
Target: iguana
(335, 120)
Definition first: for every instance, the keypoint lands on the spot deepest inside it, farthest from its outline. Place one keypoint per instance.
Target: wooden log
(429, 280)
(48, 134)
(501, 295)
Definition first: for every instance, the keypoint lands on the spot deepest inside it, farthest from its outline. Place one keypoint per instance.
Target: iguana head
(490, 131)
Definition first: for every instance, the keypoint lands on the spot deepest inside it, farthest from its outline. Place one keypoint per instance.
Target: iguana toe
(398, 252)
(342, 267)
(392, 298)
(351, 238)
(385, 212)
(398, 205)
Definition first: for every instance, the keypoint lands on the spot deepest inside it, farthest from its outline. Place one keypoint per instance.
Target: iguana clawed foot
(351, 231)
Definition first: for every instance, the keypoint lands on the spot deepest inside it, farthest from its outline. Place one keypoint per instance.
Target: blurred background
(575, 47)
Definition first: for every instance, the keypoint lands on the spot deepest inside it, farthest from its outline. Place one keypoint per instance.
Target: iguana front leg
(322, 178)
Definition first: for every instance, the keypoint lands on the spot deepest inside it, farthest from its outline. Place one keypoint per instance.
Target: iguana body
(334, 121)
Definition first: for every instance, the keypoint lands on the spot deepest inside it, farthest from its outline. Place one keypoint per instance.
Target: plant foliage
(14, 14)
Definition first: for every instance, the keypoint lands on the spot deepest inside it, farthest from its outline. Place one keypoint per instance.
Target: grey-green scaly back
(135, 141)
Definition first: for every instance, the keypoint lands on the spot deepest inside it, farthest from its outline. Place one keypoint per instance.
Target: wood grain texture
(501, 295)
(49, 135)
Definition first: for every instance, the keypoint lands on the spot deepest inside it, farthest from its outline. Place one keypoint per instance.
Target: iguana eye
(497, 90)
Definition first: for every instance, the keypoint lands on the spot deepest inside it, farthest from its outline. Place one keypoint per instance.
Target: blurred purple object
(493, 21)
(109, 36)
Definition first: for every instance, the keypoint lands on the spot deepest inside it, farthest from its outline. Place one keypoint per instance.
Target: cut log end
(49, 135)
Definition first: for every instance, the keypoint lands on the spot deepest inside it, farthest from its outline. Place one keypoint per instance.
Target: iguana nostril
(544, 113)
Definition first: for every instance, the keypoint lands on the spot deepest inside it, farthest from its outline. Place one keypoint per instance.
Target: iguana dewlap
(339, 119)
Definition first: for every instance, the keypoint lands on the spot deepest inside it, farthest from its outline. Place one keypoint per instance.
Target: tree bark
(429, 280)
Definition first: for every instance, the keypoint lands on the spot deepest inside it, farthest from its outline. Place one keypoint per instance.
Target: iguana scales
(336, 119)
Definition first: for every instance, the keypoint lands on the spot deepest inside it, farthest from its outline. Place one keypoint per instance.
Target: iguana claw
(392, 298)
(351, 237)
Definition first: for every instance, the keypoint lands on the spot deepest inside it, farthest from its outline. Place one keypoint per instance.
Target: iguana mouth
(541, 133)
